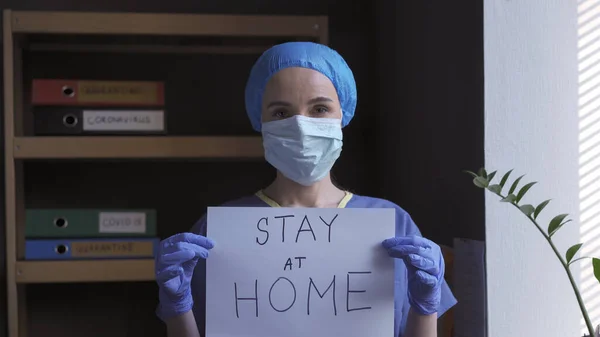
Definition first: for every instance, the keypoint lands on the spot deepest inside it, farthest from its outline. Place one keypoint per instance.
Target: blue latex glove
(425, 265)
(175, 262)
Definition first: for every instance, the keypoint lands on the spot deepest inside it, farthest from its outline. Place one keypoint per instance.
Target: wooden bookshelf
(21, 28)
(168, 24)
(136, 147)
(124, 48)
(84, 271)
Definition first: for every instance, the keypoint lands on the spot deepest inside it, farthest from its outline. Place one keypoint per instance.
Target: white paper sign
(287, 272)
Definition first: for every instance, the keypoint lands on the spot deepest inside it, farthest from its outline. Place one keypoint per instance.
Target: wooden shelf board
(165, 24)
(235, 147)
(155, 49)
(84, 271)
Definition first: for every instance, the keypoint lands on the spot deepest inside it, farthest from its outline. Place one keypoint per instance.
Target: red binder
(97, 93)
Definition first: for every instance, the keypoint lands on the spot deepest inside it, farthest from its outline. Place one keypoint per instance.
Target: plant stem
(588, 322)
(586, 317)
(579, 259)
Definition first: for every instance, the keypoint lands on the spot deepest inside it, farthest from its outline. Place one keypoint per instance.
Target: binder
(97, 93)
(82, 249)
(73, 223)
(76, 121)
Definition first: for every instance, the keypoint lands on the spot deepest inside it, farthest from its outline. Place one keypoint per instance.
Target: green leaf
(513, 187)
(480, 182)
(572, 251)
(539, 208)
(491, 176)
(562, 224)
(495, 188)
(596, 264)
(509, 198)
(483, 173)
(505, 178)
(524, 190)
(473, 174)
(556, 223)
(527, 209)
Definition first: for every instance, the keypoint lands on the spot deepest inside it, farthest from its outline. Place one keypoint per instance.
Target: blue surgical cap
(306, 55)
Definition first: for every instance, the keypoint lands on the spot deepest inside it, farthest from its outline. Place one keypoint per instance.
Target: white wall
(531, 124)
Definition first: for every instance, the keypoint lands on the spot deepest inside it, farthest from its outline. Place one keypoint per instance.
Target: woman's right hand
(175, 262)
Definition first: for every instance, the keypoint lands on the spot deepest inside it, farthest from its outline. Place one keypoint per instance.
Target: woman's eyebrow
(278, 103)
(320, 99)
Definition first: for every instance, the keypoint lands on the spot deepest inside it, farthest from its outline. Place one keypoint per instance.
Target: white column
(532, 124)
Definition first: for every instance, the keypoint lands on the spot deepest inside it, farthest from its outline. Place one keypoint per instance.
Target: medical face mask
(303, 149)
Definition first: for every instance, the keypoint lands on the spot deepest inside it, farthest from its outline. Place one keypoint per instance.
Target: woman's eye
(279, 114)
(321, 109)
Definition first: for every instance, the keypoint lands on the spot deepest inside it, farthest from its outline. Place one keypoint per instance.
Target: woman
(300, 95)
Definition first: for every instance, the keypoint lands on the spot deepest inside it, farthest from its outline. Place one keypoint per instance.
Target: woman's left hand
(425, 265)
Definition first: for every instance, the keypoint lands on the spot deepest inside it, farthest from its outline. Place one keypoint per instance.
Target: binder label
(123, 120)
(122, 222)
(118, 91)
(104, 249)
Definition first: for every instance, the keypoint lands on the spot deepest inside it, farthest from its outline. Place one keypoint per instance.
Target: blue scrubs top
(404, 227)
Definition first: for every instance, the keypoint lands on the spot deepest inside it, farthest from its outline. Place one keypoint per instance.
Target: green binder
(72, 223)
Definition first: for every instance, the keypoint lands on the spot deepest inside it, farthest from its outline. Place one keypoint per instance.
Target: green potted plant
(513, 196)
